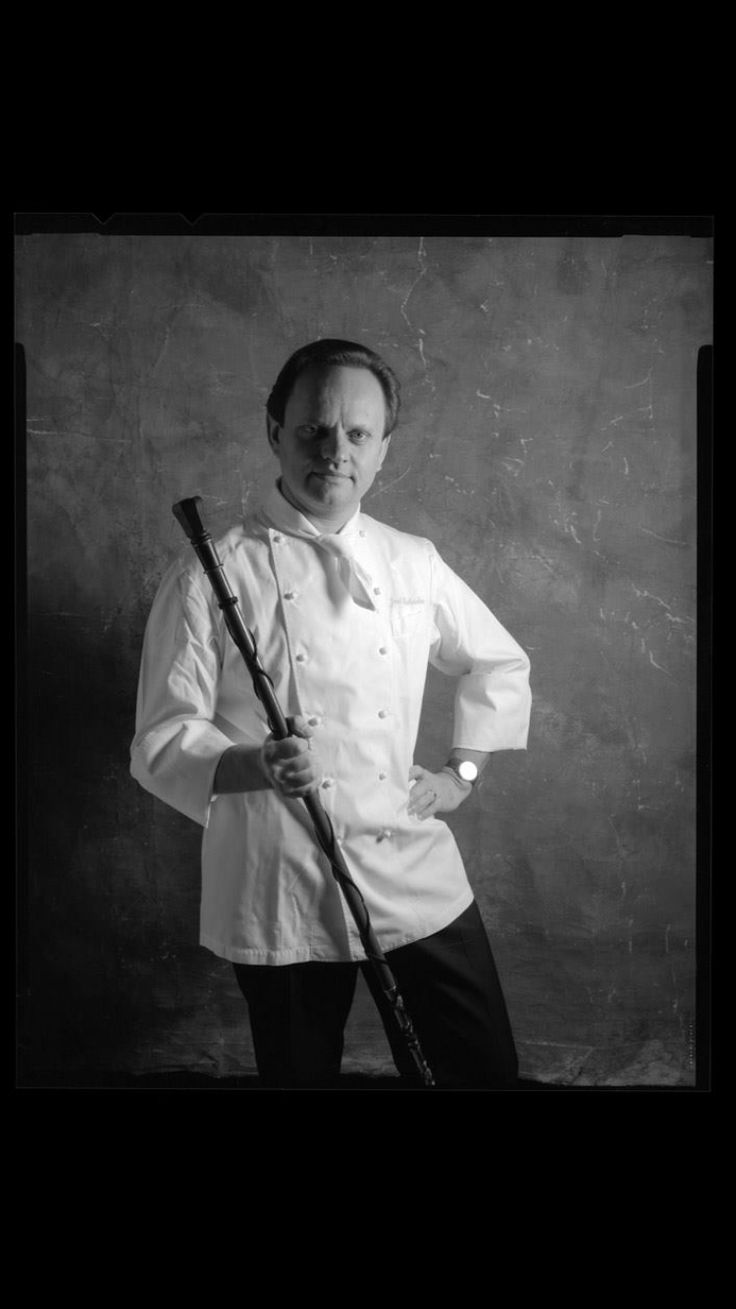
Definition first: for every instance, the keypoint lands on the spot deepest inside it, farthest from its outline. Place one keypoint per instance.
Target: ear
(273, 430)
(384, 449)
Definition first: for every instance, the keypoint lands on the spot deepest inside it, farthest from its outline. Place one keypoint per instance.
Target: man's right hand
(292, 765)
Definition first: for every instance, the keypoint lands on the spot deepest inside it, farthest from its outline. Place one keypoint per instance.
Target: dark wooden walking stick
(187, 514)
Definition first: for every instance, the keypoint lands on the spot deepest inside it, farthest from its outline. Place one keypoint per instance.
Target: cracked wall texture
(547, 447)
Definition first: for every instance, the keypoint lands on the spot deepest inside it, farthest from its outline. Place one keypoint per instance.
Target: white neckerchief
(281, 514)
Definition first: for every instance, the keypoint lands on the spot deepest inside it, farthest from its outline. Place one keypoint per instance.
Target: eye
(358, 435)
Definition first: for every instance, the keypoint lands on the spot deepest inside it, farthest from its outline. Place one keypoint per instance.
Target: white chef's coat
(268, 895)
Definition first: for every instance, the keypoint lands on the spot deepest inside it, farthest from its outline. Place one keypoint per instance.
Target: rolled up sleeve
(493, 698)
(177, 747)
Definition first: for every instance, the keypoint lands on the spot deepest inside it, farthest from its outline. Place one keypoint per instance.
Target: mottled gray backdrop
(548, 448)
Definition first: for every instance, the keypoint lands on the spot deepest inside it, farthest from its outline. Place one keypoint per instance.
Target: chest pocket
(407, 619)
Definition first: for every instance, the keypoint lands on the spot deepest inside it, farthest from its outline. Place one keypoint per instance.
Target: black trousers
(451, 991)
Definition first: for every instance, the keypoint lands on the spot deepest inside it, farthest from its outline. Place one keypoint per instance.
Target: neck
(330, 524)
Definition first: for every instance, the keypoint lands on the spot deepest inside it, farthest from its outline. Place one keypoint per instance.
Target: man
(346, 613)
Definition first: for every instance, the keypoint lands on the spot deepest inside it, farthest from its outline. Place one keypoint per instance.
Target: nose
(334, 445)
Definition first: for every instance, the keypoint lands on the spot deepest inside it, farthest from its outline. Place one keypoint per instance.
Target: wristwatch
(464, 769)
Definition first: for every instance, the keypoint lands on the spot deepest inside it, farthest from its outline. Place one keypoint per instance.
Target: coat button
(382, 713)
(327, 783)
(382, 650)
(301, 659)
(376, 590)
(382, 777)
(277, 539)
(290, 595)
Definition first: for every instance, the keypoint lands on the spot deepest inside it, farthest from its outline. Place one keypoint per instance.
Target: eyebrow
(325, 427)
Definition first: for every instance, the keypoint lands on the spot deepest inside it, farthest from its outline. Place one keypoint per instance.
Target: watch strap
(452, 766)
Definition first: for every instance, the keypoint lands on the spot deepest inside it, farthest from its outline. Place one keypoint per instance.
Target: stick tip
(186, 513)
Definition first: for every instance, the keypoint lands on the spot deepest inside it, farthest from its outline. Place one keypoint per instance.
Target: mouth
(331, 477)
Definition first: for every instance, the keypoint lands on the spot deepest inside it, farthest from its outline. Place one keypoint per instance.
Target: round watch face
(467, 770)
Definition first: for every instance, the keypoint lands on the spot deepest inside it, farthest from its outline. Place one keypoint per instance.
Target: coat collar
(279, 513)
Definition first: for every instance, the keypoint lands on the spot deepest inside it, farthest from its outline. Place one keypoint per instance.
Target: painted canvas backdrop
(548, 448)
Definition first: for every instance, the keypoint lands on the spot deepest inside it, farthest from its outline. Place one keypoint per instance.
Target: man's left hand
(434, 793)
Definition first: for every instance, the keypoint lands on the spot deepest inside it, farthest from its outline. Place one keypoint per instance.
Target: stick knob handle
(186, 513)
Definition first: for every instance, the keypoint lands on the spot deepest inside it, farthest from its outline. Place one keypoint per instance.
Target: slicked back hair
(333, 353)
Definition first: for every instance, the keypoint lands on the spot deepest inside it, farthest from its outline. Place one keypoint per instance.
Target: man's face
(331, 444)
